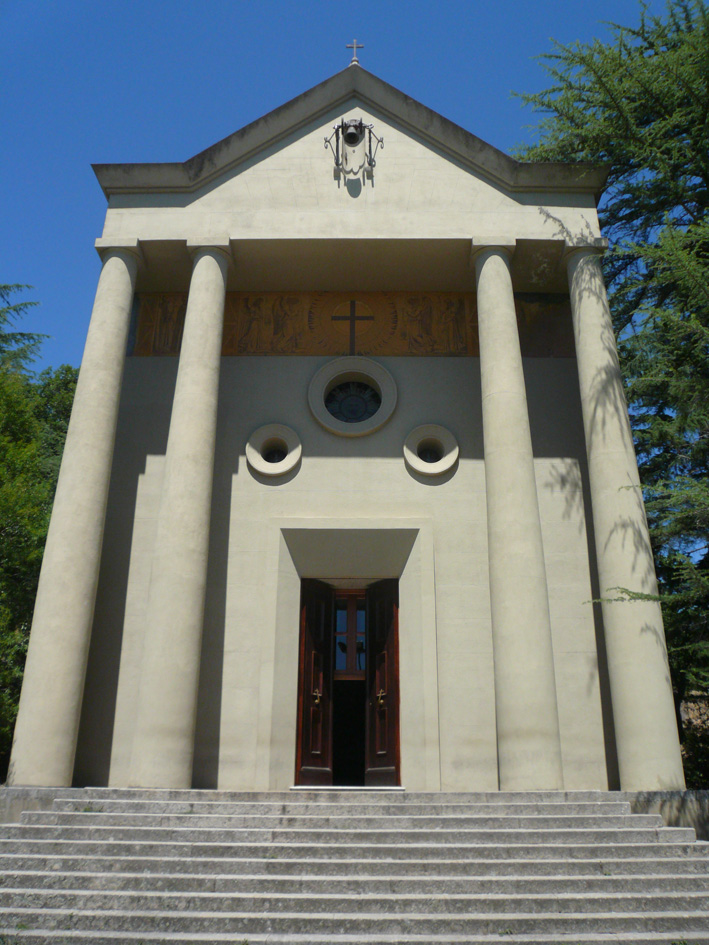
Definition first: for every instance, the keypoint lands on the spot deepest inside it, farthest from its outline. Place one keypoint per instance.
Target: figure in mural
(418, 311)
(256, 325)
(289, 315)
(162, 318)
(450, 326)
(171, 321)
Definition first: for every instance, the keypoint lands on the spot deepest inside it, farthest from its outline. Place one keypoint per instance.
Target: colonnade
(529, 752)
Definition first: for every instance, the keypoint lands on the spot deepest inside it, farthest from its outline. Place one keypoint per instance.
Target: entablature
(349, 265)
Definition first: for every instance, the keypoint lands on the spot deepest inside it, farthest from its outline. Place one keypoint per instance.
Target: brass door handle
(317, 694)
(381, 696)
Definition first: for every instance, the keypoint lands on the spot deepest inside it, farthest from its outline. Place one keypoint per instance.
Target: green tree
(17, 348)
(34, 413)
(640, 103)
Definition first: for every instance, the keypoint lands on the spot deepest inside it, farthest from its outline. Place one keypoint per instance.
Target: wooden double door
(348, 685)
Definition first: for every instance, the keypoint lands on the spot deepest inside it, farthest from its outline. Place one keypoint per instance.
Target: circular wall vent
(431, 450)
(273, 450)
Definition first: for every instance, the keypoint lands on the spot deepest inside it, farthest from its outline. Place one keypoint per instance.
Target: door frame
(305, 547)
(379, 593)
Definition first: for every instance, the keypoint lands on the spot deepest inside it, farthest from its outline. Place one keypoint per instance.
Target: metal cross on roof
(354, 46)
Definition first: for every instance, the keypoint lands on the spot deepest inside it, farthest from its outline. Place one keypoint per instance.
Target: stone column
(167, 706)
(528, 743)
(52, 691)
(641, 690)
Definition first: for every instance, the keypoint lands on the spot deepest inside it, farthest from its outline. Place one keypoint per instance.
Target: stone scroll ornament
(335, 324)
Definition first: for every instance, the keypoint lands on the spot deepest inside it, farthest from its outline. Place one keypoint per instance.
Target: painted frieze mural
(333, 323)
(362, 323)
(161, 319)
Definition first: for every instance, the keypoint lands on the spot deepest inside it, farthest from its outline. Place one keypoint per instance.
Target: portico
(164, 651)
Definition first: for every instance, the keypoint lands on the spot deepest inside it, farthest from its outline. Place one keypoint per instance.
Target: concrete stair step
(347, 796)
(348, 884)
(306, 809)
(375, 837)
(354, 904)
(341, 822)
(496, 849)
(694, 862)
(242, 924)
(65, 937)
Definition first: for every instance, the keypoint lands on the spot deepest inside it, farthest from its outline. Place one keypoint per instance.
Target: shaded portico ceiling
(354, 265)
(472, 152)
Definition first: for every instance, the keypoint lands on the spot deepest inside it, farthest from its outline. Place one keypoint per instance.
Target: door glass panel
(361, 637)
(340, 652)
(361, 651)
(350, 636)
(341, 616)
(341, 635)
(360, 616)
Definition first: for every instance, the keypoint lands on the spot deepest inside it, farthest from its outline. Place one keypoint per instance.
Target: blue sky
(150, 80)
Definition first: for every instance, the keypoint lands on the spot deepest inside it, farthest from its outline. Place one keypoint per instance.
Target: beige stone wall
(264, 536)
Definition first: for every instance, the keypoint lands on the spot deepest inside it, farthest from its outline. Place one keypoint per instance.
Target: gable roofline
(434, 129)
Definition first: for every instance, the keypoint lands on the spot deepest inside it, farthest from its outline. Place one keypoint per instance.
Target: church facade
(349, 487)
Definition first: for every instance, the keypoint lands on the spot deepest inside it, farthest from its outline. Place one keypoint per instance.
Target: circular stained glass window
(352, 396)
(353, 402)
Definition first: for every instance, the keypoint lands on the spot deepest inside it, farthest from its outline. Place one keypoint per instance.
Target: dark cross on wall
(353, 318)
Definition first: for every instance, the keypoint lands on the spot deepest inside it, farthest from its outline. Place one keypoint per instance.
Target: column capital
(216, 244)
(502, 244)
(596, 246)
(119, 244)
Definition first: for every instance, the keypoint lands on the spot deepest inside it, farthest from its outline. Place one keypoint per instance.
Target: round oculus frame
(431, 450)
(273, 450)
(352, 396)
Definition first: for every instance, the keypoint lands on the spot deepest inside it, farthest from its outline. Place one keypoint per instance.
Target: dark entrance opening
(349, 689)
(348, 732)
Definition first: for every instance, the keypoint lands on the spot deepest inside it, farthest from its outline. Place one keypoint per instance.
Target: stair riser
(224, 822)
(696, 863)
(313, 836)
(221, 903)
(327, 797)
(119, 938)
(351, 885)
(346, 810)
(242, 925)
(336, 851)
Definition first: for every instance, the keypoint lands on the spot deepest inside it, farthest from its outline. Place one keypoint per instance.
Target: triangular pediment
(353, 86)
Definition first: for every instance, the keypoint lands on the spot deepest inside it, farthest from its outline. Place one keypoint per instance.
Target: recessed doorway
(348, 686)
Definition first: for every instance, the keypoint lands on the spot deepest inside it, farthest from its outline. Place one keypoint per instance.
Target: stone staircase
(369, 867)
